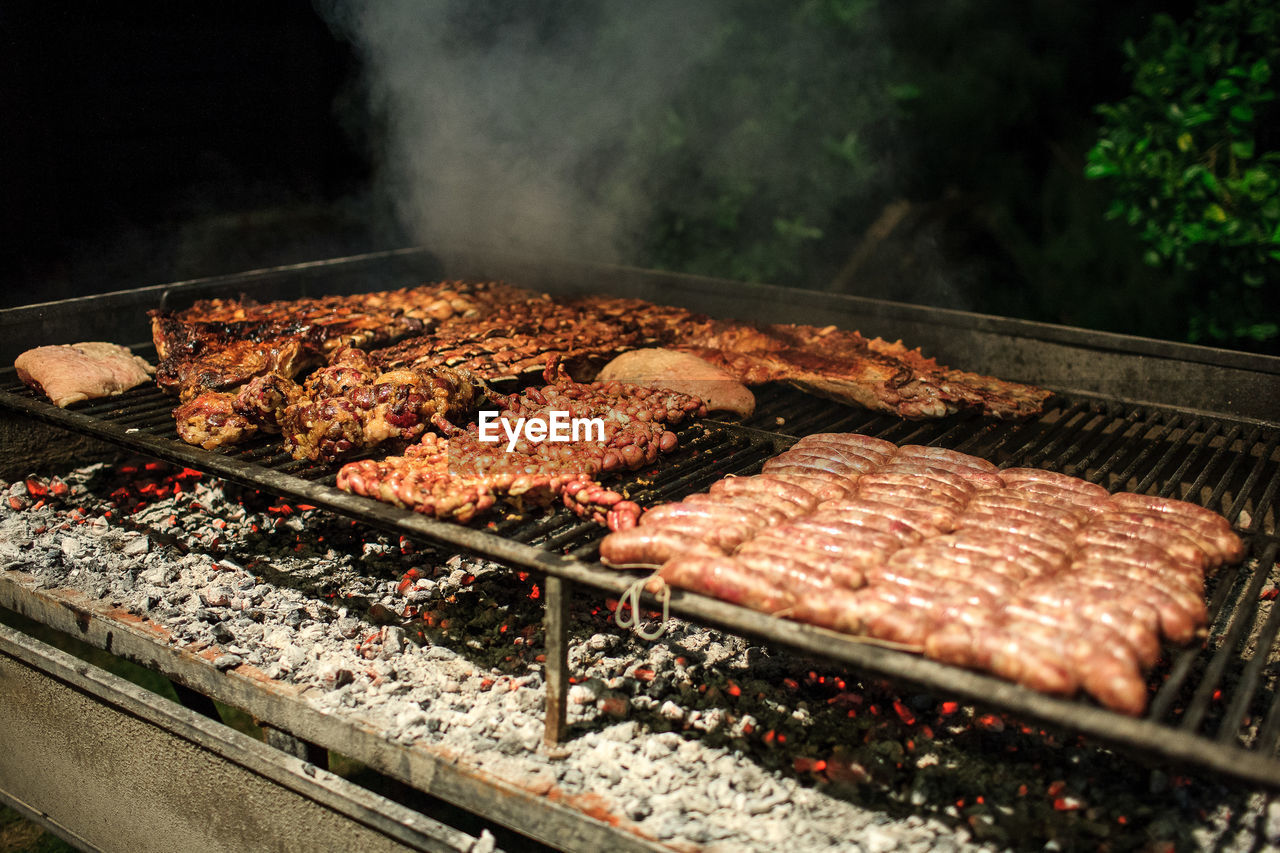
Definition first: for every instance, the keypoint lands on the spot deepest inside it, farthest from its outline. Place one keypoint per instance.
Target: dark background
(148, 142)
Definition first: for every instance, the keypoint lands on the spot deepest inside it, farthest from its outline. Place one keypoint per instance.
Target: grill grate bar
(1241, 619)
(558, 541)
(1269, 735)
(897, 431)
(1214, 458)
(974, 437)
(1185, 658)
(929, 433)
(800, 422)
(147, 412)
(708, 443)
(1251, 677)
(1072, 429)
(529, 530)
(1233, 514)
(1069, 414)
(150, 423)
(1173, 480)
(854, 421)
(988, 444)
(945, 438)
(1117, 437)
(1090, 425)
(1148, 447)
(915, 434)
(1263, 504)
(263, 453)
(1237, 459)
(703, 474)
(1190, 429)
(129, 400)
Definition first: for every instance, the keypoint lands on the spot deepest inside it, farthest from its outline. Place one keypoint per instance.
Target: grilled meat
(351, 406)
(219, 344)
(87, 371)
(1036, 577)
(210, 420)
(496, 331)
(525, 328)
(345, 407)
(263, 400)
(229, 367)
(460, 476)
(684, 372)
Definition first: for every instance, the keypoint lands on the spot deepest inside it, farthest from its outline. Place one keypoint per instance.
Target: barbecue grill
(1135, 414)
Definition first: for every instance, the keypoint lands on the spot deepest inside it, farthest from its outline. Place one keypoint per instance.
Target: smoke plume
(493, 129)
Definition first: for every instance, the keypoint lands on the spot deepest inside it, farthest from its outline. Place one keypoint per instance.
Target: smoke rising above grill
(592, 130)
(494, 129)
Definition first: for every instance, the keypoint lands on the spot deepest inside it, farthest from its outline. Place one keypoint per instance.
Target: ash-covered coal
(700, 738)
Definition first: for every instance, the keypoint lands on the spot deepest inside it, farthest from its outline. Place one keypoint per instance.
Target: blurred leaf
(796, 229)
(1194, 163)
(1242, 113)
(904, 92)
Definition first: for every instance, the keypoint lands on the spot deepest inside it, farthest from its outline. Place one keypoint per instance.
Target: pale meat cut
(683, 372)
(86, 371)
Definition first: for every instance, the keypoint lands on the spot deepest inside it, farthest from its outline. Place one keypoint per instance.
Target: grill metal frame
(1198, 436)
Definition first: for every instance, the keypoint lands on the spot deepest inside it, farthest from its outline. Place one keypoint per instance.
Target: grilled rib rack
(1216, 705)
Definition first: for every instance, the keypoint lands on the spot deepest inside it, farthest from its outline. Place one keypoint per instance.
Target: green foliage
(1192, 158)
(777, 135)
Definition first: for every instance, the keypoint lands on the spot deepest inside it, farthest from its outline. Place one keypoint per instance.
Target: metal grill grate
(1217, 705)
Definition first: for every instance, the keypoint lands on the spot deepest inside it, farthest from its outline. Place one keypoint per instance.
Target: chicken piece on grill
(348, 368)
(232, 366)
(210, 420)
(263, 400)
(350, 406)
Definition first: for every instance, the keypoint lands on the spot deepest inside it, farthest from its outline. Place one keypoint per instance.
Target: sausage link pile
(1039, 578)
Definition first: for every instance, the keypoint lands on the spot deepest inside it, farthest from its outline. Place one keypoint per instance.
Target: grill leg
(555, 625)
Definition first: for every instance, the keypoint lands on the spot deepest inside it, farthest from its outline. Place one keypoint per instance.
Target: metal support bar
(556, 627)
(561, 823)
(111, 766)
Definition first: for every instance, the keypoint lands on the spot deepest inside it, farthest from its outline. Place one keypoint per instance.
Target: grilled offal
(461, 476)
